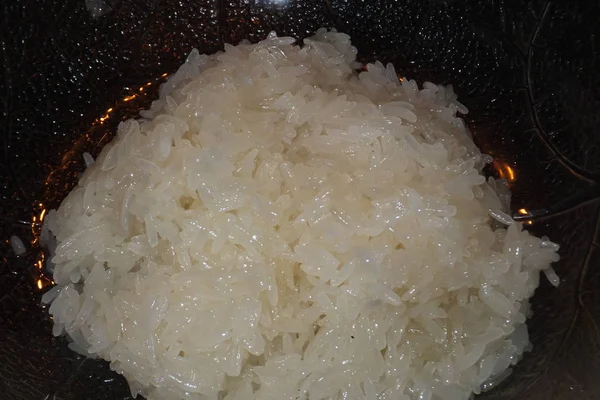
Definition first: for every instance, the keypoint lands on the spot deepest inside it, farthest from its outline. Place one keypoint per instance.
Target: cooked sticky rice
(285, 223)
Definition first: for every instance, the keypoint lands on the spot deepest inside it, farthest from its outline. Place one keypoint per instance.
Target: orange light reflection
(505, 171)
(125, 99)
(106, 116)
(510, 172)
(34, 230)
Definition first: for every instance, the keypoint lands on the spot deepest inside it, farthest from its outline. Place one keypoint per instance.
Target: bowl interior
(527, 71)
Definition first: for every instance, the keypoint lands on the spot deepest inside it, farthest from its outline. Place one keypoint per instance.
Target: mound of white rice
(278, 227)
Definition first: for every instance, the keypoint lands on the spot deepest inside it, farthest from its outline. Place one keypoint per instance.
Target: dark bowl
(529, 71)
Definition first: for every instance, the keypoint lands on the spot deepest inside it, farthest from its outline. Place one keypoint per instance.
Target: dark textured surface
(527, 70)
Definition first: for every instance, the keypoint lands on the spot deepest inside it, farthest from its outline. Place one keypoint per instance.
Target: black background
(529, 72)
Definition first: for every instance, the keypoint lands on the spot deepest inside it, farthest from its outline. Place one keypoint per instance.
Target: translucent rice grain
(50, 295)
(552, 277)
(547, 244)
(398, 110)
(57, 329)
(88, 159)
(17, 245)
(496, 380)
(501, 217)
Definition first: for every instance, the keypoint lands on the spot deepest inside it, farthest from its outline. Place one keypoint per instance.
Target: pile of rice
(278, 226)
